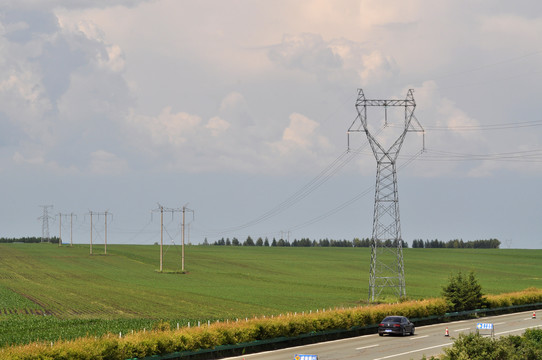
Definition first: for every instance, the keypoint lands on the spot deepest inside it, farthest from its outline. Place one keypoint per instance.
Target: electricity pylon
(45, 223)
(387, 270)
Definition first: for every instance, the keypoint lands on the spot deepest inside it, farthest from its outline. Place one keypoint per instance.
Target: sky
(239, 110)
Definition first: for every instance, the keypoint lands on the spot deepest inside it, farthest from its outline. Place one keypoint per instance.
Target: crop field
(48, 292)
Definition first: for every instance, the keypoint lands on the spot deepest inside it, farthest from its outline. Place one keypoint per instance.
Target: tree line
(457, 244)
(366, 242)
(303, 242)
(27, 240)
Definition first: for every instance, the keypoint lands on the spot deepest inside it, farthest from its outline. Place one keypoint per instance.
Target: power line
(524, 156)
(502, 126)
(485, 66)
(324, 175)
(350, 201)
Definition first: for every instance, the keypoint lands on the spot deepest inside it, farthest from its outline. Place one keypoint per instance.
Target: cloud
(511, 29)
(172, 129)
(61, 90)
(305, 51)
(105, 163)
(217, 125)
(301, 136)
(234, 108)
(335, 61)
(48, 5)
(374, 13)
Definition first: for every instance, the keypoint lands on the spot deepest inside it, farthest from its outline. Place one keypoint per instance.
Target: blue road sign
(306, 357)
(484, 326)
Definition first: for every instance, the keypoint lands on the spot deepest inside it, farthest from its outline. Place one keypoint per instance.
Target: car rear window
(394, 319)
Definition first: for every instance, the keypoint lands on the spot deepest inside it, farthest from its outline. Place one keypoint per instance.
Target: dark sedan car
(398, 325)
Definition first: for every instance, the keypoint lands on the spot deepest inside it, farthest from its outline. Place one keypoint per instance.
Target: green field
(48, 291)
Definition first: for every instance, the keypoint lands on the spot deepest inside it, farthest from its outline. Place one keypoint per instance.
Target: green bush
(477, 347)
(463, 292)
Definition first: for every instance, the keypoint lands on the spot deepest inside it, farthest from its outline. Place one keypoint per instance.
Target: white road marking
(419, 337)
(367, 347)
(462, 329)
(413, 351)
(522, 329)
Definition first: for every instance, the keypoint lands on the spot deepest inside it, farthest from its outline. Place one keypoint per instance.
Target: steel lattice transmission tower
(387, 272)
(45, 223)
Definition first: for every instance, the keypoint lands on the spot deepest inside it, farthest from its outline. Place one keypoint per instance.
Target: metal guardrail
(314, 337)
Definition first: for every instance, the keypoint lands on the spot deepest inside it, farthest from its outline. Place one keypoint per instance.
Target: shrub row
(528, 296)
(161, 340)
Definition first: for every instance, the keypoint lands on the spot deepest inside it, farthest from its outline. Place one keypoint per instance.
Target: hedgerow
(160, 340)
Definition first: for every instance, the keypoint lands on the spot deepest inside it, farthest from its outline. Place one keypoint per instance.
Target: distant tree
(259, 242)
(463, 292)
(228, 242)
(324, 242)
(235, 242)
(266, 242)
(274, 243)
(205, 242)
(248, 242)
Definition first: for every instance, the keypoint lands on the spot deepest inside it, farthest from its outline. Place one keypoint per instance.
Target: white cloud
(301, 136)
(335, 61)
(217, 125)
(377, 13)
(105, 163)
(172, 128)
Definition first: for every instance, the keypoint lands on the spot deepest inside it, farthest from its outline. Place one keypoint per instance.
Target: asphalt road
(427, 340)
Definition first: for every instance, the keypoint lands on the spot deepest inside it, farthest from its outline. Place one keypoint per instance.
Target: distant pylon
(45, 223)
(387, 268)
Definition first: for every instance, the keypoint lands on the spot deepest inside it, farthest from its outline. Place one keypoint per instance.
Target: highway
(428, 340)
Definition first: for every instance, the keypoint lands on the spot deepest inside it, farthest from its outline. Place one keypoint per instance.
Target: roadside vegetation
(64, 296)
(513, 347)
(162, 339)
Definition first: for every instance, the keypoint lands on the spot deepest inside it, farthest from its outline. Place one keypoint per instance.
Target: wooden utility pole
(105, 213)
(161, 236)
(90, 232)
(185, 209)
(172, 211)
(182, 242)
(71, 229)
(105, 237)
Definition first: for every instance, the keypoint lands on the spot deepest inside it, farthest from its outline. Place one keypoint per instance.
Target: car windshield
(392, 319)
